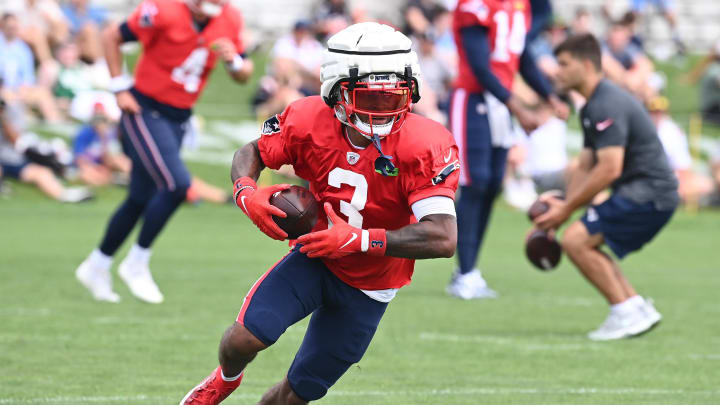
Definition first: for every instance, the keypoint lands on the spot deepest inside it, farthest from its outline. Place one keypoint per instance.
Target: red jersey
(176, 58)
(308, 136)
(508, 22)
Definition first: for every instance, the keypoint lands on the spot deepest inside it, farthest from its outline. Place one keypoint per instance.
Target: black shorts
(626, 226)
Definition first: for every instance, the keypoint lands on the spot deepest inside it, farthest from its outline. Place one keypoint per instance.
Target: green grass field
(59, 346)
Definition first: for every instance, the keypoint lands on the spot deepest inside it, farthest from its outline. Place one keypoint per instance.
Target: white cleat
(470, 286)
(652, 315)
(620, 326)
(98, 281)
(140, 281)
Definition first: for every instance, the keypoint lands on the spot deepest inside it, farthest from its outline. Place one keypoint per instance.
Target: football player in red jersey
(490, 36)
(181, 44)
(386, 179)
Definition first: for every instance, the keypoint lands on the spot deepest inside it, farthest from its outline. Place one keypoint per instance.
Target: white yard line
(516, 343)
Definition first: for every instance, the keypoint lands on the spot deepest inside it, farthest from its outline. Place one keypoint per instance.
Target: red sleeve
(473, 12)
(275, 143)
(238, 38)
(435, 171)
(146, 20)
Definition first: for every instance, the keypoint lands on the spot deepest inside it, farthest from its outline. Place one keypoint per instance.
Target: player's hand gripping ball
(255, 203)
(300, 208)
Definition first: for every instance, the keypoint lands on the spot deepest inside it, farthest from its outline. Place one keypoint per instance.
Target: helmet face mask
(375, 104)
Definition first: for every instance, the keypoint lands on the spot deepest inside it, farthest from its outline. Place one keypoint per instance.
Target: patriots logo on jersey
(445, 172)
(148, 11)
(271, 126)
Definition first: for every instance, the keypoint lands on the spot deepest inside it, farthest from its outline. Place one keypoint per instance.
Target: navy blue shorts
(153, 142)
(343, 321)
(626, 226)
(482, 164)
(13, 171)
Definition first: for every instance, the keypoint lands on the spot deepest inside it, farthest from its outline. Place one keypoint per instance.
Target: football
(301, 209)
(537, 208)
(542, 250)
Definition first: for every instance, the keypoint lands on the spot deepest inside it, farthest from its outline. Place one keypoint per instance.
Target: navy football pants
(158, 181)
(342, 325)
(482, 172)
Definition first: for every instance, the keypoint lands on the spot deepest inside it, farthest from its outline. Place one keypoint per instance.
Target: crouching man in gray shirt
(621, 151)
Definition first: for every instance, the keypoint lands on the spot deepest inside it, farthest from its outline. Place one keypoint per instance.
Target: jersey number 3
(188, 74)
(509, 41)
(337, 178)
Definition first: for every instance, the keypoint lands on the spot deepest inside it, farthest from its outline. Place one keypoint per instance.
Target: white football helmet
(370, 76)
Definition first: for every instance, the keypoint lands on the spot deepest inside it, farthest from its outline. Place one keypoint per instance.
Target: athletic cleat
(140, 281)
(620, 326)
(98, 281)
(652, 316)
(211, 391)
(470, 286)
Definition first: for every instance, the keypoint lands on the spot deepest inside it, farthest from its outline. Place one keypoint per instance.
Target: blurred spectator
(42, 26)
(17, 71)
(330, 17)
(542, 47)
(436, 76)
(715, 167)
(85, 21)
(582, 23)
(419, 15)
(14, 165)
(691, 186)
(294, 71)
(666, 9)
(624, 62)
(97, 154)
(710, 86)
(79, 85)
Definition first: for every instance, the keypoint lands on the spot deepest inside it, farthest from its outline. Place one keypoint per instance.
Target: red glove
(255, 203)
(342, 239)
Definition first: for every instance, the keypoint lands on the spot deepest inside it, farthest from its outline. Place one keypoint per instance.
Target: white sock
(229, 379)
(623, 308)
(139, 254)
(100, 260)
(637, 301)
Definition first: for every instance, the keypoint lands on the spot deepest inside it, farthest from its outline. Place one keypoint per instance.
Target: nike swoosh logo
(242, 201)
(601, 126)
(352, 238)
(447, 159)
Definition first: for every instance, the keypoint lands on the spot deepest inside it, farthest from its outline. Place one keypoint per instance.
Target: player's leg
(625, 227)
(94, 272)
(598, 268)
(285, 294)
(471, 130)
(160, 140)
(337, 337)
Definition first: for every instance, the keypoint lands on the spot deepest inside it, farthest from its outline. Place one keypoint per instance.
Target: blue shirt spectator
(17, 65)
(79, 13)
(90, 145)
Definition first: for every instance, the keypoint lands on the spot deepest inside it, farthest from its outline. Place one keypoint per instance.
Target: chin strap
(383, 163)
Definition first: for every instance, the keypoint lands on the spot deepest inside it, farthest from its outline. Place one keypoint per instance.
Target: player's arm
(254, 201)
(120, 83)
(537, 80)
(433, 236)
(476, 44)
(238, 66)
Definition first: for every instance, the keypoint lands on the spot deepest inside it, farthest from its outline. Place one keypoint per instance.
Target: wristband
(236, 64)
(120, 83)
(373, 242)
(241, 185)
